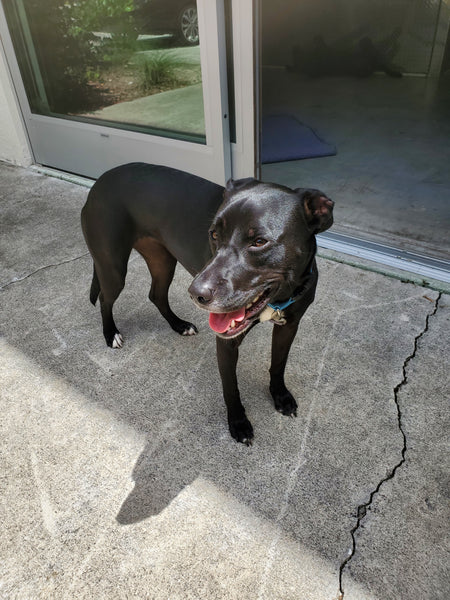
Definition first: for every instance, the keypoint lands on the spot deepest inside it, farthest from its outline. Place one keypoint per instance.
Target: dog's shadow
(193, 440)
(178, 455)
(159, 476)
(155, 486)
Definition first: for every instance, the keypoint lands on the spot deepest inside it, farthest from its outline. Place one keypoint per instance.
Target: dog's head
(263, 244)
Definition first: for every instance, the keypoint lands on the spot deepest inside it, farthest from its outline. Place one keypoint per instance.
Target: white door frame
(245, 151)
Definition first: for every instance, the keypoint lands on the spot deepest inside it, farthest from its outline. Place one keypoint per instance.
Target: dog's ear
(318, 209)
(236, 185)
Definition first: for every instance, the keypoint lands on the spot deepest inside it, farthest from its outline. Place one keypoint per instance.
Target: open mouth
(233, 323)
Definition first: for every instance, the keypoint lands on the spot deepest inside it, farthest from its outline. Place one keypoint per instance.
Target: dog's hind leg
(111, 276)
(95, 288)
(161, 265)
(109, 241)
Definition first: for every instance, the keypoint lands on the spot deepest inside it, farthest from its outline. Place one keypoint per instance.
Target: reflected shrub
(157, 69)
(68, 53)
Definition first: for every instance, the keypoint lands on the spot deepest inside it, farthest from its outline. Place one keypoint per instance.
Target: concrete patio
(120, 480)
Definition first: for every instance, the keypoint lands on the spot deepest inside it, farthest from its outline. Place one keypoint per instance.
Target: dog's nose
(202, 294)
(204, 299)
(205, 296)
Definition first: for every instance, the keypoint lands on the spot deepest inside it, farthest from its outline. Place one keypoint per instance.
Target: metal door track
(425, 266)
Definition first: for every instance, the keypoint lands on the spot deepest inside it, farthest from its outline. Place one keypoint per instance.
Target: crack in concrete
(363, 508)
(28, 275)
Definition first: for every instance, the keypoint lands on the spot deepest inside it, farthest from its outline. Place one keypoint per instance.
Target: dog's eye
(259, 242)
(213, 234)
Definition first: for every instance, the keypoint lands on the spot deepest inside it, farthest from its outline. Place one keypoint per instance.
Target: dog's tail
(95, 288)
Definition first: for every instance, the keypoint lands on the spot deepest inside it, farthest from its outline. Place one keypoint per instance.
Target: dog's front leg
(227, 356)
(282, 338)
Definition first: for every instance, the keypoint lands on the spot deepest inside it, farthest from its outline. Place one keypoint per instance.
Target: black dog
(251, 247)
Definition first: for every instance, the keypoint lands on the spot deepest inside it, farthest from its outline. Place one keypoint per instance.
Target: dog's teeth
(249, 305)
(233, 323)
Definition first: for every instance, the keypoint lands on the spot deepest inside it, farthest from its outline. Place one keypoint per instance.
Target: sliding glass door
(104, 82)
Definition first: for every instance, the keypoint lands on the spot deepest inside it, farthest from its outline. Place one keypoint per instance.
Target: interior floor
(390, 177)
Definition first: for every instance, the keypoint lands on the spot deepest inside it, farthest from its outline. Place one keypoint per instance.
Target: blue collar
(282, 305)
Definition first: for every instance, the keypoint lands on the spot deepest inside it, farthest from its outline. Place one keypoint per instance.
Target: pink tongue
(220, 322)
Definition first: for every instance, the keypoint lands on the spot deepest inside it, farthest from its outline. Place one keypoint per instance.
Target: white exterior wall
(14, 147)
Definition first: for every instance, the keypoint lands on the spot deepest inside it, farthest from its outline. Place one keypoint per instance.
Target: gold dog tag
(269, 314)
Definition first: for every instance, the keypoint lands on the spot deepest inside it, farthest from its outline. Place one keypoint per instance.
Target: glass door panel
(363, 89)
(116, 67)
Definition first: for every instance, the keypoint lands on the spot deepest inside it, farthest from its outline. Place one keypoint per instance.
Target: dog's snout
(201, 293)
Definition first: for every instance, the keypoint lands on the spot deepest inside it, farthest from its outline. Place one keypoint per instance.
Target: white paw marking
(190, 331)
(117, 341)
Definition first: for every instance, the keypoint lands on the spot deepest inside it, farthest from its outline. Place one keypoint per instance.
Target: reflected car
(176, 17)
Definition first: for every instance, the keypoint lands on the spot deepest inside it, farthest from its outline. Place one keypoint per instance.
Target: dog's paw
(191, 330)
(185, 328)
(115, 340)
(284, 402)
(241, 430)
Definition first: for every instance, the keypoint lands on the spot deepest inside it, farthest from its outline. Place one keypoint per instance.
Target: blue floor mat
(285, 138)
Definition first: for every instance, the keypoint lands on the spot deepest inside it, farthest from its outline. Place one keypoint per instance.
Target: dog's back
(136, 200)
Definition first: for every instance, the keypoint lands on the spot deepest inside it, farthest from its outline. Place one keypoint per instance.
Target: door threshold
(417, 268)
(64, 175)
